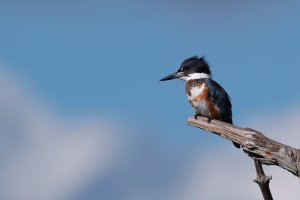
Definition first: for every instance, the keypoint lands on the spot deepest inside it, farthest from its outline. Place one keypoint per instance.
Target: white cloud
(42, 155)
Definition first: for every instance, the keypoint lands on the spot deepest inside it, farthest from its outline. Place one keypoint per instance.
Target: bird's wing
(221, 99)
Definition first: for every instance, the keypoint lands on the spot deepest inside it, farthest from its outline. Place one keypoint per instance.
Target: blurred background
(83, 115)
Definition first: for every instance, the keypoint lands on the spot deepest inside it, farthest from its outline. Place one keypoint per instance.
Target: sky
(84, 116)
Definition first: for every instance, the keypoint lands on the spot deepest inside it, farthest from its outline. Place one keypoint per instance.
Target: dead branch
(262, 180)
(255, 144)
(259, 147)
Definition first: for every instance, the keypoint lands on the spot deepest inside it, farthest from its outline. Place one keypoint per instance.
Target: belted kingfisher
(207, 97)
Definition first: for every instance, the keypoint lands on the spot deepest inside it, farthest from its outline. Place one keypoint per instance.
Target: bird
(207, 97)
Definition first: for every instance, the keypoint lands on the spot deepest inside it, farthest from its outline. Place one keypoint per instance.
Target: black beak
(172, 76)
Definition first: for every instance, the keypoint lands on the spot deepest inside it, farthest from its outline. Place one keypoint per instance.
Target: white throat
(195, 76)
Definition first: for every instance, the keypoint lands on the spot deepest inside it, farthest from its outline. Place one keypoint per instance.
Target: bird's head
(191, 68)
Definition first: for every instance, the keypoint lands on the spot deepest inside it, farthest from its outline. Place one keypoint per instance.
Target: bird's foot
(196, 116)
(209, 119)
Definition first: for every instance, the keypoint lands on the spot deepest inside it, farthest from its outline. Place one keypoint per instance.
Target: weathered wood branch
(255, 144)
(262, 180)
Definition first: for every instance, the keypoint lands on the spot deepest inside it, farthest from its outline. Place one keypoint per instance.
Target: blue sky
(105, 59)
(101, 51)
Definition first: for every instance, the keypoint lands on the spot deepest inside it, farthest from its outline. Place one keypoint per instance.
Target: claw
(209, 119)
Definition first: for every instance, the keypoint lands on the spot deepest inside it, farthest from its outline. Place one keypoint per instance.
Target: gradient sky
(88, 58)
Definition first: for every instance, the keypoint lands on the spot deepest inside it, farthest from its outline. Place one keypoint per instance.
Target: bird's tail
(236, 145)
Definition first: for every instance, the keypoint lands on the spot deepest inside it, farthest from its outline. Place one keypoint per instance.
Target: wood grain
(254, 143)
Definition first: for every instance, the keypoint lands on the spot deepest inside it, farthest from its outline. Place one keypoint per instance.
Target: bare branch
(255, 144)
(262, 180)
